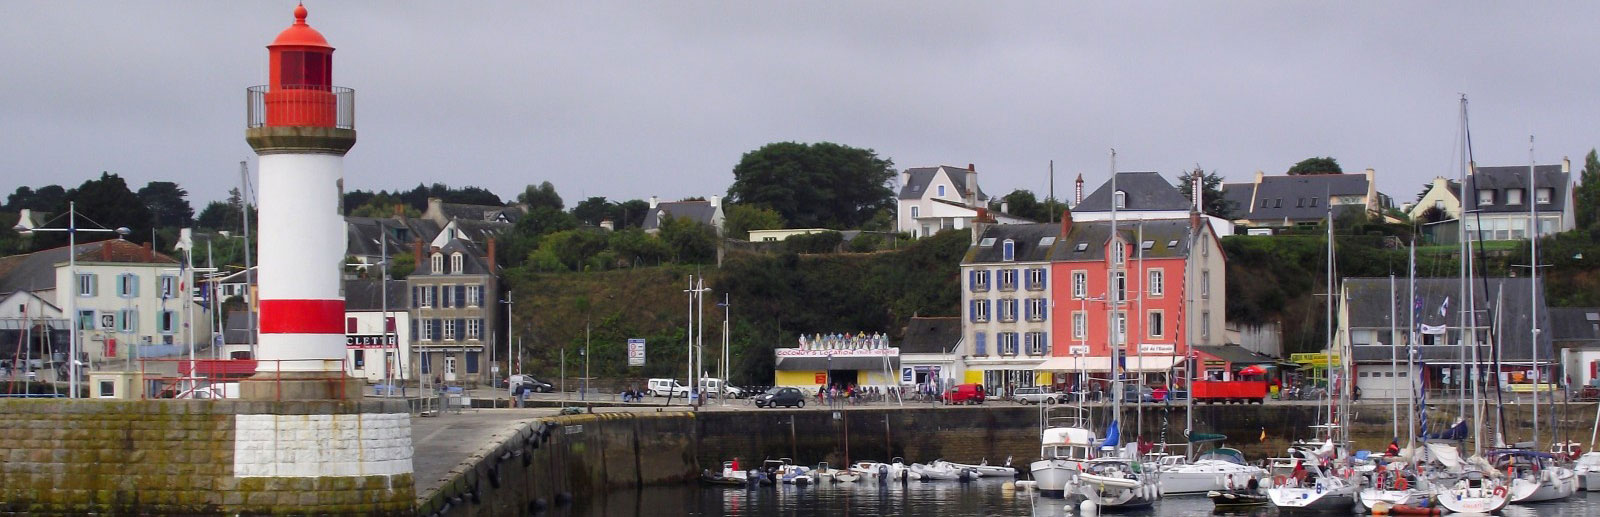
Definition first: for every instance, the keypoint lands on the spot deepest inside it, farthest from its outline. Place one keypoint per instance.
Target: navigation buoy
(1088, 507)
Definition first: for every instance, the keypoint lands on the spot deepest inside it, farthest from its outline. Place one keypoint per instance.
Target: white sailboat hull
(1053, 477)
(988, 470)
(1206, 475)
(1471, 500)
(1113, 492)
(1557, 484)
(1370, 496)
(1589, 481)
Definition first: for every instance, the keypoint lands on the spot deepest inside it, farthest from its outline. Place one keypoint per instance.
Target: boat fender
(536, 505)
(563, 498)
(494, 476)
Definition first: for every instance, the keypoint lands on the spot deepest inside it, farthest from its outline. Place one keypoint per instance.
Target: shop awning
(1157, 363)
(1076, 364)
(838, 363)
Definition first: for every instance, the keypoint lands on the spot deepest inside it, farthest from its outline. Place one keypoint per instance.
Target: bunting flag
(1444, 308)
(1263, 434)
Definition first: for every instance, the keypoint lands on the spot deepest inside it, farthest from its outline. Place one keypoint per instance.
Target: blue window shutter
(972, 311)
(461, 295)
(972, 280)
(982, 347)
(481, 288)
(434, 289)
(437, 330)
(1044, 277)
(461, 329)
(415, 297)
(414, 336)
(472, 362)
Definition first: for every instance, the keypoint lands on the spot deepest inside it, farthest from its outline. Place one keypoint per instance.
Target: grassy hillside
(774, 299)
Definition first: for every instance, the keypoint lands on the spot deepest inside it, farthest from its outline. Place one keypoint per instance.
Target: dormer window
(1120, 198)
(1485, 197)
(1118, 254)
(1513, 196)
(1543, 195)
(941, 190)
(1008, 250)
(455, 263)
(436, 263)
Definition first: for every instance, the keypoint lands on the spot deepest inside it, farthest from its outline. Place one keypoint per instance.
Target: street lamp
(72, 230)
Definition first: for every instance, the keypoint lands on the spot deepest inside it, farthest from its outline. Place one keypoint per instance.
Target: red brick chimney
(490, 258)
(1066, 221)
(149, 254)
(105, 251)
(416, 250)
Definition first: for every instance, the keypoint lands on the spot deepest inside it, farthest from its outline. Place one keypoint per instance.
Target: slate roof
(367, 295)
(481, 213)
(926, 335)
(1300, 198)
(1501, 178)
(365, 234)
(1575, 326)
(36, 271)
(1369, 303)
(1027, 239)
(917, 185)
(473, 262)
(1238, 195)
(1168, 238)
(1235, 354)
(1145, 191)
(697, 211)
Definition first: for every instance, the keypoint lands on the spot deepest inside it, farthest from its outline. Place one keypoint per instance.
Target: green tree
(168, 203)
(1210, 192)
(107, 201)
(630, 213)
(541, 195)
(383, 205)
(1023, 203)
(689, 241)
(43, 200)
(814, 185)
(739, 219)
(1316, 165)
(1588, 195)
(637, 248)
(593, 210)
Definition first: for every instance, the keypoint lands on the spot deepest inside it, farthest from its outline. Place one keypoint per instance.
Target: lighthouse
(300, 126)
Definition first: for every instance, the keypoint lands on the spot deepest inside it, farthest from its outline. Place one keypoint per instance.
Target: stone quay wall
(557, 461)
(205, 457)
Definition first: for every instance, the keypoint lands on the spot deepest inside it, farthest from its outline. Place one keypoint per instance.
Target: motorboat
(731, 470)
(785, 471)
(1113, 482)
(937, 471)
(825, 474)
(871, 470)
(1212, 472)
(1587, 469)
(1248, 496)
(1311, 486)
(1066, 443)
(1535, 476)
(900, 471)
(984, 469)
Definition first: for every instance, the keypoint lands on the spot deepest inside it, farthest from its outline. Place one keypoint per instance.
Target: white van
(663, 387)
(714, 387)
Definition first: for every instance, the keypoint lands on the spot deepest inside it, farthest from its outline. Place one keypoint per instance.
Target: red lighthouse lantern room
(300, 92)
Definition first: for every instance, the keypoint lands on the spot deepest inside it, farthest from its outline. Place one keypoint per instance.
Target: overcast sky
(632, 99)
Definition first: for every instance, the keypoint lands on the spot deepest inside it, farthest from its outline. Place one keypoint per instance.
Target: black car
(780, 396)
(532, 385)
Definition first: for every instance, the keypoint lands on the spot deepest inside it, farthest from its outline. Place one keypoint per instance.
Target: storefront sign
(369, 340)
(822, 378)
(635, 352)
(1157, 349)
(839, 352)
(907, 375)
(1078, 350)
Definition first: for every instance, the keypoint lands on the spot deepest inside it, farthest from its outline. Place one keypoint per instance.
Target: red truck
(1229, 392)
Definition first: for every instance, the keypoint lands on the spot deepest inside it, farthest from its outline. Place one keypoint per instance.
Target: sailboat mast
(1411, 343)
(1461, 301)
(1328, 374)
(1115, 299)
(1532, 199)
(1394, 333)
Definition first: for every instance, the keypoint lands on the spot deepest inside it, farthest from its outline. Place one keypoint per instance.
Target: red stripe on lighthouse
(302, 316)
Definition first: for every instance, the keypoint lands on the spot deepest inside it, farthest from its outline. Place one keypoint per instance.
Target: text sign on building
(1078, 349)
(368, 340)
(839, 352)
(635, 352)
(1157, 349)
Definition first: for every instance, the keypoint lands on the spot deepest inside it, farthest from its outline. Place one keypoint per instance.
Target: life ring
(1280, 480)
(1400, 482)
(1500, 491)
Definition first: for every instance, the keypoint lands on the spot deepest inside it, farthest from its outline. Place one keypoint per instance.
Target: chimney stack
(972, 186)
(653, 202)
(491, 257)
(1259, 175)
(149, 254)
(1066, 222)
(1566, 164)
(716, 201)
(105, 251)
(1005, 208)
(416, 250)
(608, 225)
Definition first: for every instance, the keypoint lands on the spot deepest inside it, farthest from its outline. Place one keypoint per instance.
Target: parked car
(526, 383)
(1036, 396)
(1132, 393)
(714, 388)
(781, 396)
(664, 387)
(971, 393)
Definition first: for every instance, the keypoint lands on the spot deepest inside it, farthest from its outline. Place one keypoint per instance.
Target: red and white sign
(839, 352)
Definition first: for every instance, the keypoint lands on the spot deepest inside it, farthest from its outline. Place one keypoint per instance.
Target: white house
(375, 350)
(939, 198)
(1500, 198)
(1443, 194)
(707, 212)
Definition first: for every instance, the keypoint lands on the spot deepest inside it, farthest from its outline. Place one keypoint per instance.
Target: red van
(964, 394)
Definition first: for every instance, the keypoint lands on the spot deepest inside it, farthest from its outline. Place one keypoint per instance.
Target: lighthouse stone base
(301, 386)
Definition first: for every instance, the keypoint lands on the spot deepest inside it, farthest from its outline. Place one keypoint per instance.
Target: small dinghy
(711, 478)
(1381, 508)
(1236, 499)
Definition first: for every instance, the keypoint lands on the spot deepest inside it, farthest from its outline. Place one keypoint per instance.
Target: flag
(1263, 434)
(1112, 438)
(1444, 308)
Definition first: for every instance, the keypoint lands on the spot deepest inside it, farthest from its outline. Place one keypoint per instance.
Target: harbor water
(988, 496)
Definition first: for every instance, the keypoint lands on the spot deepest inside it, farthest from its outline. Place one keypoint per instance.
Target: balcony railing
(311, 105)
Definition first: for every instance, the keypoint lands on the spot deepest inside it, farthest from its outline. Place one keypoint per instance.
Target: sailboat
(1478, 490)
(1321, 477)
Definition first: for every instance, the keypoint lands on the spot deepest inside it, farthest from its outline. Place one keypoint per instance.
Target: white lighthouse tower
(301, 126)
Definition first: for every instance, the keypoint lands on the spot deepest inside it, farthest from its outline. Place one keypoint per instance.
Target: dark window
(306, 70)
(292, 69)
(389, 324)
(472, 362)
(349, 325)
(361, 358)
